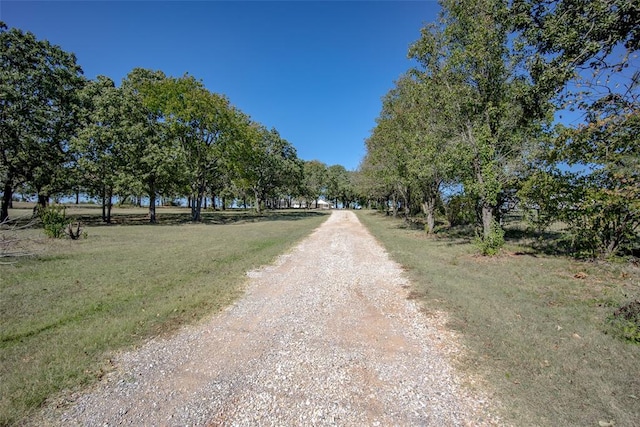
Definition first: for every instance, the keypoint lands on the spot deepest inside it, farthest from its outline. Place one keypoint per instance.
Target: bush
(625, 322)
(460, 210)
(54, 220)
(491, 245)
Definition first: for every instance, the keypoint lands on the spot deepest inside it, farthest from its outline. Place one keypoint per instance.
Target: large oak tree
(39, 83)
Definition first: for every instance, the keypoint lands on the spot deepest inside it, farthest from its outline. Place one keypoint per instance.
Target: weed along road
(325, 336)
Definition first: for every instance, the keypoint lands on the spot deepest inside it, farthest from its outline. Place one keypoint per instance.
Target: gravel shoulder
(325, 336)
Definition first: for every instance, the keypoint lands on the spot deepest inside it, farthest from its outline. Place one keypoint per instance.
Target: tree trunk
(109, 204)
(258, 202)
(394, 206)
(152, 206)
(429, 207)
(407, 204)
(198, 196)
(616, 236)
(104, 204)
(487, 220)
(77, 197)
(43, 200)
(196, 209)
(6, 200)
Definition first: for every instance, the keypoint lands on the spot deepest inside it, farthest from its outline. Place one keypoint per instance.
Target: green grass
(534, 325)
(64, 312)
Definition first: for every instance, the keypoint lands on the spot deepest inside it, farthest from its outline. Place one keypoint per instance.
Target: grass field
(64, 312)
(534, 325)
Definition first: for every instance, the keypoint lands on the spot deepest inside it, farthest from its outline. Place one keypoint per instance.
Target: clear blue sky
(313, 70)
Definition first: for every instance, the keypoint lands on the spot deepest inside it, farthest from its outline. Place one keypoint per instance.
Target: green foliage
(462, 117)
(460, 210)
(39, 111)
(154, 135)
(491, 244)
(625, 322)
(315, 180)
(204, 123)
(54, 220)
(264, 163)
(339, 185)
(110, 119)
(491, 73)
(542, 195)
(583, 53)
(156, 163)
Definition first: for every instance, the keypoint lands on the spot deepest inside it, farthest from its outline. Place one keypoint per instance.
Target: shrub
(54, 220)
(625, 322)
(491, 245)
(460, 210)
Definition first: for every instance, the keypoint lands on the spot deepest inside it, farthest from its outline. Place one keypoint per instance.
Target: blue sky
(313, 70)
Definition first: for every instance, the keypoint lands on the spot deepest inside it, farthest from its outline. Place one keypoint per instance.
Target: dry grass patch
(535, 326)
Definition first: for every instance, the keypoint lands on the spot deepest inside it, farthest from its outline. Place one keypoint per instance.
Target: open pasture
(67, 308)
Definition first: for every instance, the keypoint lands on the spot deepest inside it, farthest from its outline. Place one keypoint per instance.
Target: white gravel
(326, 336)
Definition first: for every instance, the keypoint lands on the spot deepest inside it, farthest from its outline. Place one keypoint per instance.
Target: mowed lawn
(64, 312)
(534, 326)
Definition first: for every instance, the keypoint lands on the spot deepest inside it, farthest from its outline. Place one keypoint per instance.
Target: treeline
(153, 136)
(472, 131)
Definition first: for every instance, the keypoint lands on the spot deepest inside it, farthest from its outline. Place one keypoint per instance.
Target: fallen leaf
(581, 275)
(576, 336)
(606, 423)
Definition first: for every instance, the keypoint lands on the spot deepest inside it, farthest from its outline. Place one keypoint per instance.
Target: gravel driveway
(325, 336)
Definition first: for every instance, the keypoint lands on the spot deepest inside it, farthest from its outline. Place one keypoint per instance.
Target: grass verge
(65, 311)
(534, 325)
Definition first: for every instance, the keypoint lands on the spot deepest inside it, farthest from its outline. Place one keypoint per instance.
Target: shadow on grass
(458, 235)
(208, 217)
(553, 243)
(546, 242)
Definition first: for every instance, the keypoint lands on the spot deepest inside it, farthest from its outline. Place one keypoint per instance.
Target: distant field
(534, 325)
(91, 214)
(64, 311)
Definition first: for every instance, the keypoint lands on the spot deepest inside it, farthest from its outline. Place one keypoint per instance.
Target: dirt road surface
(325, 336)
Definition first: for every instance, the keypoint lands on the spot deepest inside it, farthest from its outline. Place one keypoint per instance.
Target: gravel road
(325, 336)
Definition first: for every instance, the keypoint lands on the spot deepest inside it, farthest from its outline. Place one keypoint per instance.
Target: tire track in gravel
(325, 336)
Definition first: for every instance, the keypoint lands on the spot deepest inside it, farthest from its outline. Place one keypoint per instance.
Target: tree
(370, 183)
(39, 83)
(102, 144)
(487, 98)
(315, 181)
(425, 137)
(339, 186)
(582, 56)
(203, 122)
(264, 162)
(156, 159)
(389, 148)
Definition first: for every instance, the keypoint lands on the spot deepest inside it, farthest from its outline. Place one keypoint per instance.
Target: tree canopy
(152, 136)
(481, 115)
(39, 86)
